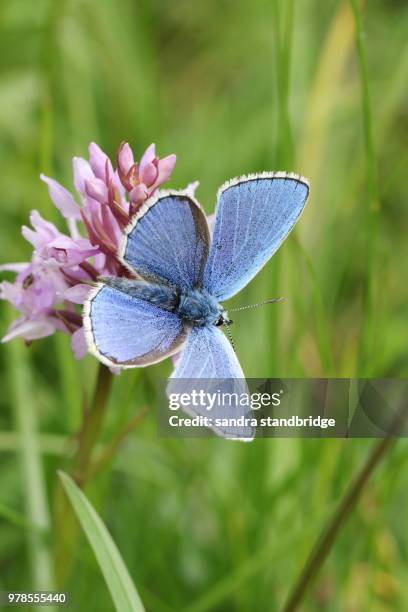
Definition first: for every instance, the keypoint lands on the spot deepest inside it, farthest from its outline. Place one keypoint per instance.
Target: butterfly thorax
(198, 308)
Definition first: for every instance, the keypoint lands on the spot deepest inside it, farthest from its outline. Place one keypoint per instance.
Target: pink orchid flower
(48, 290)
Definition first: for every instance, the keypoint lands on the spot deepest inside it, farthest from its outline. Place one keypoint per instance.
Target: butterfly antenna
(272, 301)
(228, 330)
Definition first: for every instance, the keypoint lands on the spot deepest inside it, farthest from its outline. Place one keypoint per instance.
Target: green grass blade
(282, 24)
(353, 401)
(33, 484)
(118, 580)
(321, 320)
(373, 205)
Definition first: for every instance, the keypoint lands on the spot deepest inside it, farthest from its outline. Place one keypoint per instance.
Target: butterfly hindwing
(208, 363)
(208, 354)
(168, 241)
(124, 330)
(254, 215)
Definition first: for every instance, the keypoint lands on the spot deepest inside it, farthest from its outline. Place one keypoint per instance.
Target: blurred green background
(231, 87)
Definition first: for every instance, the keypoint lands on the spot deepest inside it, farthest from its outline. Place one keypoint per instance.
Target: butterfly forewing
(254, 215)
(168, 241)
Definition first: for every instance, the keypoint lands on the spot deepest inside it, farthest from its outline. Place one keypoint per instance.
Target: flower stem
(328, 536)
(66, 525)
(92, 425)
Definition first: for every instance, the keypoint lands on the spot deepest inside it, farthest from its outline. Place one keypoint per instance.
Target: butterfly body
(196, 307)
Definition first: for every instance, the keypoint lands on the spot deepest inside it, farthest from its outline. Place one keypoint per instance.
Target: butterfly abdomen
(158, 294)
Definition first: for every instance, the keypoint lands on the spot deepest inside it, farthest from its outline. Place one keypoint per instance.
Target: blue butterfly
(181, 276)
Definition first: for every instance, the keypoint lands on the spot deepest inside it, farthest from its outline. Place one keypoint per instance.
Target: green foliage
(231, 87)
